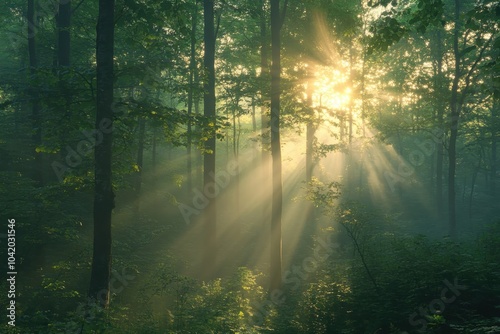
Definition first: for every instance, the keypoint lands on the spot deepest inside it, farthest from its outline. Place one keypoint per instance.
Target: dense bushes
(420, 286)
(376, 282)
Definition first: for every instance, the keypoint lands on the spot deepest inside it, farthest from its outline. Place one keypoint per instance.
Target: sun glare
(332, 90)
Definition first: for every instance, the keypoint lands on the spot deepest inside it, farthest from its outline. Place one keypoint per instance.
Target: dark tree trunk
(310, 132)
(264, 75)
(63, 30)
(35, 103)
(236, 149)
(310, 142)
(440, 121)
(494, 142)
(265, 167)
(351, 87)
(198, 155)
(104, 197)
(210, 215)
(153, 152)
(254, 121)
(63, 22)
(277, 196)
(140, 163)
(192, 69)
(473, 185)
(454, 116)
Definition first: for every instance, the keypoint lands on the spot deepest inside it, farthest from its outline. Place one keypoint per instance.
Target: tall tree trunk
(236, 148)
(153, 152)
(495, 121)
(473, 185)
(104, 197)
(310, 130)
(198, 155)
(140, 163)
(264, 117)
(277, 196)
(210, 215)
(440, 120)
(254, 121)
(192, 68)
(310, 141)
(63, 22)
(349, 170)
(264, 75)
(454, 116)
(63, 30)
(351, 87)
(35, 103)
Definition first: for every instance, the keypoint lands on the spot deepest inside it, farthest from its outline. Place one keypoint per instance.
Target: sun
(334, 100)
(332, 90)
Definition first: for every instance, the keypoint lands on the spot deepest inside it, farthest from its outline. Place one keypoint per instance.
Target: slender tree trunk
(351, 87)
(454, 116)
(350, 156)
(440, 121)
(236, 148)
(264, 75)
(310, 131)
(63, 22)
(63, 29)
(363, 86)
(254, 121)
(341, 125)
(140, 162)
(473, 185)
(310, 161)
(153, 153)
(277, 197)
(494, 141)
(198, 155)
(104, 197)
(35, 103)
(264, 118)
(192, 68)
(209, 155)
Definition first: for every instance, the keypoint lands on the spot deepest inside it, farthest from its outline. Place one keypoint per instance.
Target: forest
(250, 166)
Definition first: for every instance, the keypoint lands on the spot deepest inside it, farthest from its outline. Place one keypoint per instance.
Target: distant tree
(467, 58)
(63, 21)
(210, 216)
(35, 103)
(471, 37)
(191, 92)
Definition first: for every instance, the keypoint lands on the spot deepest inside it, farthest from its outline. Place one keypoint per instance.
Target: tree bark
(494, 142)
(440, 108)
(351, 87)
(265, 167)
(99, 289)
(277, 196)
(192, 68)
(454, 116)
(35, 103)
(310, 143)
(63, 22)
(264, 75)
(63, 30)
(310, 130)
(140, 163)
(210, 221)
